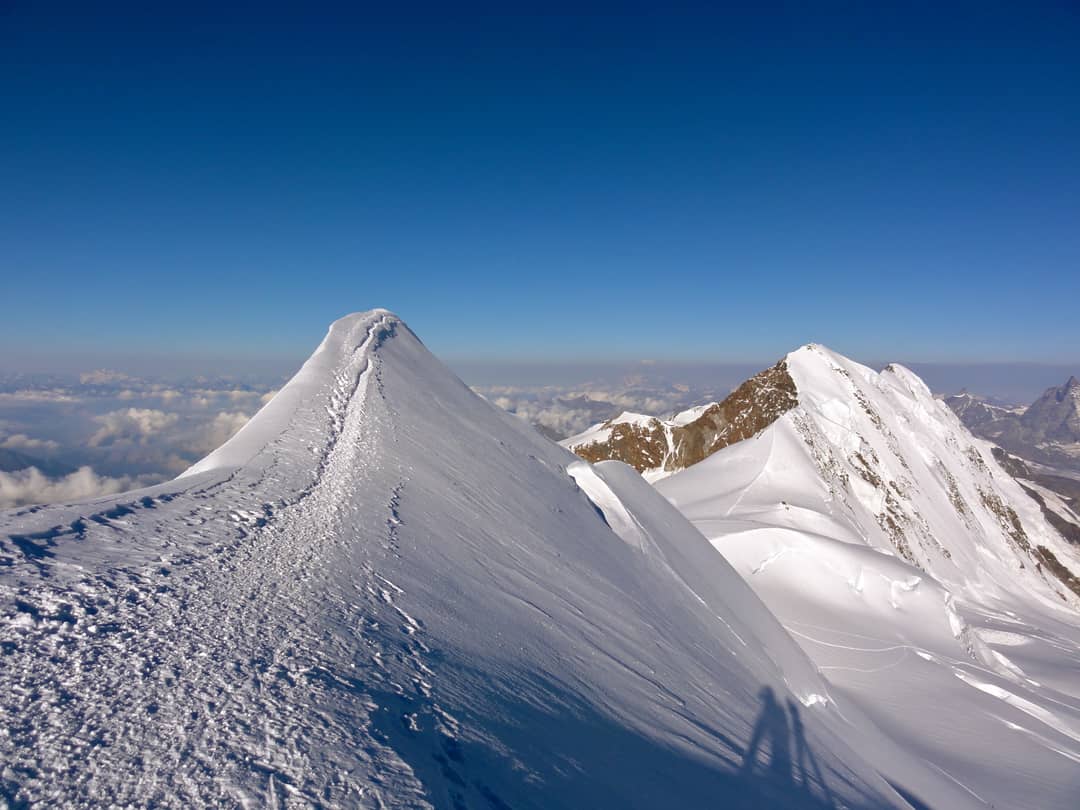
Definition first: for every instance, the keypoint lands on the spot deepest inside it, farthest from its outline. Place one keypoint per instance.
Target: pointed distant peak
(964, 398)
(351, 330)
(900, 370)
(1072, 383)
(809, 353)
(816, 359)
(364, 318)
(912, 381)
(343, 355)
(810, 348)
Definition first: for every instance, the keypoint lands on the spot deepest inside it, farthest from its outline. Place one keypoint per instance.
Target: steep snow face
(916, 483)
(913, 569)
(386, 592)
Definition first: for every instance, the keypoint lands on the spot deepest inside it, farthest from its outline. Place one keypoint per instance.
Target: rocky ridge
(658, 447)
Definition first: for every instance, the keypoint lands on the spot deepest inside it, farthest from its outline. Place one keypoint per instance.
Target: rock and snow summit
(385, 592)
(923, 580)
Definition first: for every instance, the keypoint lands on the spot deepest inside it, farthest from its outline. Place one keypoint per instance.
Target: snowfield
(386, 592)
(912, 570)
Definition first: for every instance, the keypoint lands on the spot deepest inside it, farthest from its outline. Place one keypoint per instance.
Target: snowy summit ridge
(387, 592)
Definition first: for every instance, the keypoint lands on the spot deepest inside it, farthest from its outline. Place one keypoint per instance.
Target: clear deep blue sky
(526, 181)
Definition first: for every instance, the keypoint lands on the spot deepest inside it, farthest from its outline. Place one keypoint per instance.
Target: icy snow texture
(385, 592)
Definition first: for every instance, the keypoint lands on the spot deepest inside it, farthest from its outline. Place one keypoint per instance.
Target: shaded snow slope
(385, 592)
(916, 573)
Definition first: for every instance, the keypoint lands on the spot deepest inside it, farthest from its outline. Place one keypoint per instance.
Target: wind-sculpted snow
(914, 570)
(385, 592)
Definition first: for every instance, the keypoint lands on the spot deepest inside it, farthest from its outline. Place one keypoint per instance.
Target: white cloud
(566, 410)
(20, 441)
(559, 419)
(168, 394)
(135, 424)
(652, 403)
(103, 376)
(225, 397)
(38, 395)
(557, 416)
(32, 486)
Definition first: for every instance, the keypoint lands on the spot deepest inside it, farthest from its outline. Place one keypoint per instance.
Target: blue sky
(697, 183)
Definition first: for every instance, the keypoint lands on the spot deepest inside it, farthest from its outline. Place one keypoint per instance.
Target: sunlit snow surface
(964, 652)
(385, 592)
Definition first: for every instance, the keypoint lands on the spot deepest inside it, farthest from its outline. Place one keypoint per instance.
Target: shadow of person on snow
(772, 729)
(777, 728)
(803, 753)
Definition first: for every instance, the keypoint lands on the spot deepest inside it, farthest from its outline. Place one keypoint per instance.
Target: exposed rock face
(1011, 464)
(1055, 416)
(642, 445)
(974, 410)
(1051, 562)
(1070, 529)
(650, 445)
(1066, 516)
(747, 411)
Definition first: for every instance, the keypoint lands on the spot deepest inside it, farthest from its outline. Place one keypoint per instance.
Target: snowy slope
(918, 575)
(386, 592)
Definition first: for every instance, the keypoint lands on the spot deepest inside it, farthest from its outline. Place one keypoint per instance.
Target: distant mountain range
(1047, 431)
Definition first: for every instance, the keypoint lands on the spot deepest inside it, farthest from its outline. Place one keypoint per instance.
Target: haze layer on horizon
(1009, 382)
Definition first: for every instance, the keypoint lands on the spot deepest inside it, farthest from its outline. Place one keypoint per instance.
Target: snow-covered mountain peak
(900, 553)
(873, 453)
(385, 591)
(317, 394)
(895, 464)
(812, 376)
(812, 367)
(811, 352)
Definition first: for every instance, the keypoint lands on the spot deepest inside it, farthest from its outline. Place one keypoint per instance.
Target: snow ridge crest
(315, 399)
